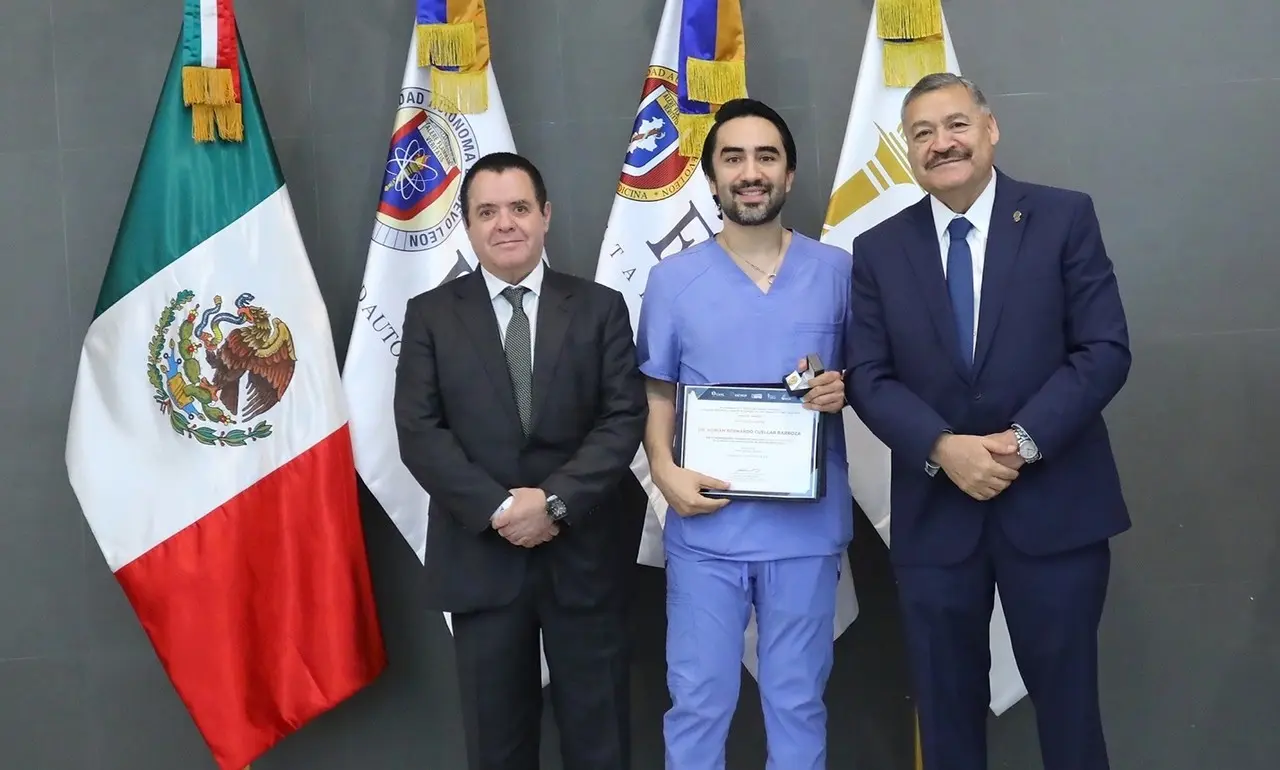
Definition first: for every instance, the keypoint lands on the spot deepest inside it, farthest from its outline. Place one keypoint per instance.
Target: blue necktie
(960, 284)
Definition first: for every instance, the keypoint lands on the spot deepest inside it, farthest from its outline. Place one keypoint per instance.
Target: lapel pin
(1017, 216)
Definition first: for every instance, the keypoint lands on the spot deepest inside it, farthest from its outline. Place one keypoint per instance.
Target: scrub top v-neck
(703, 320)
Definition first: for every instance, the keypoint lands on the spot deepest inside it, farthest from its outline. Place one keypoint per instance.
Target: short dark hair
(498, 162)
(743, 108)
(937, 81)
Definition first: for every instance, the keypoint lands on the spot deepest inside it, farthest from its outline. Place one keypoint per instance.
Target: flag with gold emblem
(906, 40)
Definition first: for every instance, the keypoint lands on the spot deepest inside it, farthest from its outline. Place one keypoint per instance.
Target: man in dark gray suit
(519, 407)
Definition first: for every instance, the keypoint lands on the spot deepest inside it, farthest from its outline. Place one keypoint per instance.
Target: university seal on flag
(418, 208)
(653, 169)
(203, 373)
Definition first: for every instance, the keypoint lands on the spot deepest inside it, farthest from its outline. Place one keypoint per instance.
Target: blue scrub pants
(708, 606)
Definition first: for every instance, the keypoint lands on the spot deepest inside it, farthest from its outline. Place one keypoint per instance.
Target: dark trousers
(499, 673)
(1053, 605)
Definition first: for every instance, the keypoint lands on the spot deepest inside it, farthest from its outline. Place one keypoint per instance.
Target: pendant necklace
(769, 276)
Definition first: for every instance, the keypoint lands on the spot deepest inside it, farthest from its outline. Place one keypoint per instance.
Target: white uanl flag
(873, 182)
(663, 205)
(418, 242)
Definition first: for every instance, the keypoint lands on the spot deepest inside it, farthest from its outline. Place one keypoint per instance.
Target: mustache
(753, 185)
(955, 153)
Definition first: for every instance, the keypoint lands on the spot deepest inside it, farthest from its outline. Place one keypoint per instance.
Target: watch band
(1024, 439)
(556, 508)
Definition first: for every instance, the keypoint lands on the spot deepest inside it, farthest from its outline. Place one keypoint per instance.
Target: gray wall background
(1165, 110)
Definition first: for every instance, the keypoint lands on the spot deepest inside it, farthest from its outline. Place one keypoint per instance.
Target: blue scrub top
(704, 321)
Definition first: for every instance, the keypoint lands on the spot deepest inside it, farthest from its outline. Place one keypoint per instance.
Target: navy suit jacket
(1052, 351)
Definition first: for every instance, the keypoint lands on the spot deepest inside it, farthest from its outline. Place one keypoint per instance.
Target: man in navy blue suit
(988, 336)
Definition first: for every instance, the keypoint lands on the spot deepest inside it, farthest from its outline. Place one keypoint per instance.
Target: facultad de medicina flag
(663, 203)
(873, 182)
(208, 443)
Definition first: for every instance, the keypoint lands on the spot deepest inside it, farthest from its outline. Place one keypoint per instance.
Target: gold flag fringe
(693, 133)
(716, 82)
(202, 122)
(207, 85)
(448, 45)
(908, 19)
(906, 62)
(228, 118)
(460, 92)
(211, 95)
(230, 122)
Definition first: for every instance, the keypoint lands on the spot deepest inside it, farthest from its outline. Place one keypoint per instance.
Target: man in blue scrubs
(745, 307)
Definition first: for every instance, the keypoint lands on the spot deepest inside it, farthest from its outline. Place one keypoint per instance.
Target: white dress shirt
(979, 215)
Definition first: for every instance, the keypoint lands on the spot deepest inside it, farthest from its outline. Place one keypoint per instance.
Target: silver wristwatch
(556, 508)
(1027, 448)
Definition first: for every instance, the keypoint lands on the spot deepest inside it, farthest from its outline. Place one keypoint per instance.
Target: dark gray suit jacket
(460, 437)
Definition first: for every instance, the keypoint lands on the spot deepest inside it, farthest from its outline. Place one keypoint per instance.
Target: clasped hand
(525, 522)
(982, 466)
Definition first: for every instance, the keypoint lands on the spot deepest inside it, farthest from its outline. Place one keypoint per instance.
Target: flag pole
(919, 754)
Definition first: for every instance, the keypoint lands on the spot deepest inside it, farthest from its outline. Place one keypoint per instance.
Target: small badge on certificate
(798, 382)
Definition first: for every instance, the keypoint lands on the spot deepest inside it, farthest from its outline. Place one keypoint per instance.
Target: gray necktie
(517, 348)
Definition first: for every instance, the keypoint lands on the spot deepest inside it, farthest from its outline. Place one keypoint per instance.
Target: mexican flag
(208, 442)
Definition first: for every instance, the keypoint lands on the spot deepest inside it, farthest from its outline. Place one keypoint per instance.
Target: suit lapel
(554, 312)
(925, 257)
(1008, 222)
(478, 322)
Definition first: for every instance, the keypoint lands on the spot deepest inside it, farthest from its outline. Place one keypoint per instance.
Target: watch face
(1027, 450)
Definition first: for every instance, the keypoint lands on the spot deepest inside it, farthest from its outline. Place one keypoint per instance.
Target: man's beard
(750, 216)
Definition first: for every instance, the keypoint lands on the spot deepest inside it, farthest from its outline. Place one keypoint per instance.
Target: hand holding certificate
(759, 439)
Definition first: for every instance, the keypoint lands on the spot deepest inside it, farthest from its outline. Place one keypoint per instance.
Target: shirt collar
(532, 281)
(979, 214)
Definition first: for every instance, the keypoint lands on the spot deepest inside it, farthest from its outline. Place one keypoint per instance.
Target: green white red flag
(208, 443)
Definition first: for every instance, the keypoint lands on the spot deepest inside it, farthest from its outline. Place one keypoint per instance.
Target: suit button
(977, 396)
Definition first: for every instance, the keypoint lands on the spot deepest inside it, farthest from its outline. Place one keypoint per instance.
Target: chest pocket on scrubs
(820, 337)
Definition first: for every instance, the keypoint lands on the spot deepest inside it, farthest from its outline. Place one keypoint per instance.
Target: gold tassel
(202, 122)
(449, 45)
(693, 133)
(908, 19)
(230, 121)
(207, 85)
(715, 82)
(460, 92)
(905, 63)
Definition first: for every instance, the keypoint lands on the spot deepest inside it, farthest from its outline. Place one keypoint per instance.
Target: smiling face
(505, 225)
(751, 176)
(951, 142)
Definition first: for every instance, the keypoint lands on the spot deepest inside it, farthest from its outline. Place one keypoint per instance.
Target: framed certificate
(758, 438)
